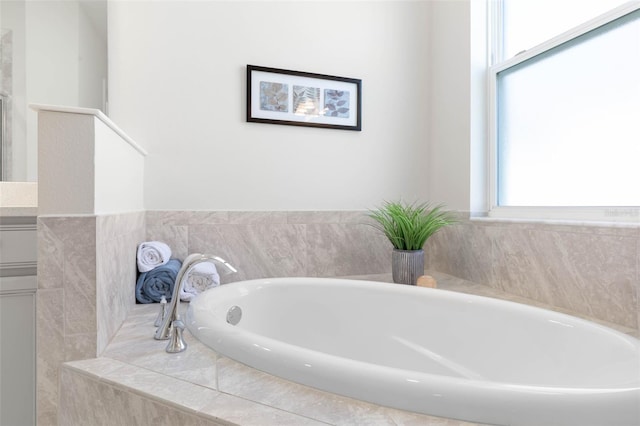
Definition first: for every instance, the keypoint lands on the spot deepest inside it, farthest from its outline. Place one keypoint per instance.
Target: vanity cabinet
(18, 284)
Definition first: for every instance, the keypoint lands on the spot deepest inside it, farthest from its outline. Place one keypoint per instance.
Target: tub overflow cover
(234, 315)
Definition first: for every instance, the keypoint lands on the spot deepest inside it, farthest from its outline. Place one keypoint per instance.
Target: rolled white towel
(152, 254)
(201, 277)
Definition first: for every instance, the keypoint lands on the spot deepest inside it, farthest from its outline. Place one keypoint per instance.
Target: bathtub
(424, 350)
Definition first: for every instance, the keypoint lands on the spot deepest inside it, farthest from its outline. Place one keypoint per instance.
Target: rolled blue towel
(158, 282)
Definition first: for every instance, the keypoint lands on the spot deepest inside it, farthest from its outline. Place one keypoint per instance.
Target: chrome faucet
(172, 326)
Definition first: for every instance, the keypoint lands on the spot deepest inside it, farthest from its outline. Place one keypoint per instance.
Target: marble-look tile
(257, 251)
(97, 367)
(451, 283)
(75, 232)
(246, 393)
(637, 281)
(77, 237)
(463, 250)
(172, 393)
(66, 317)
(309, 217)
(356, 217)
(165, 389)
(181, 218)
(336, 249)
(80, 291)
(50, 351)
(79, 346)
(567, 266)
(175, 236)
(67, 247)
(248, 383)
(257, 218)
(327, 216)
(135, 344)
(569, 270)
(88, 401)
(117, 237)
(96, 257)
(242, 412)
(113, 225)
(50, 257)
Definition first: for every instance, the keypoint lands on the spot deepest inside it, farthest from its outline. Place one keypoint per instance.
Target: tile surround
(85, 268)
(586, 270)
(117, 238)
(136, 364)
(65, 316)
(87, 272)
(270, 244)
(223, 390)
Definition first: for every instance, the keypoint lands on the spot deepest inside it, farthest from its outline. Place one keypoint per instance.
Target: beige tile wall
(81, 409)
(272, 244)
(590, 270)
(86, 267)
(117, 238)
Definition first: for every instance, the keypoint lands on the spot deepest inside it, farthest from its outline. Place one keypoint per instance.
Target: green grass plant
(409, 226)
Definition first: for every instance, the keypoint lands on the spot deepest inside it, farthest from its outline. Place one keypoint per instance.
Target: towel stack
(201, 277)
(158, 273)
(152, 254)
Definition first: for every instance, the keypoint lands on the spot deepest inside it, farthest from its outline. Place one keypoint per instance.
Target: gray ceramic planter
(407, 266)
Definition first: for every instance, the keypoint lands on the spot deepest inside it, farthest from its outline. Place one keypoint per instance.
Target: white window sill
(622, 217)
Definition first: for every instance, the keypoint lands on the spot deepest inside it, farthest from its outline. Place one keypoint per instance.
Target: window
(528, 23)
(565, 125)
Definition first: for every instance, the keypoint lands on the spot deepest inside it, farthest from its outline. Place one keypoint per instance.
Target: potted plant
(408, 227)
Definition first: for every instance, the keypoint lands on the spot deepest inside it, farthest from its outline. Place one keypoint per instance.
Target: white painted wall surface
(59, 58)
(87, 164)
(449, 118)
(177, 84)
(92, 56)
(119, 173)
(51, 66)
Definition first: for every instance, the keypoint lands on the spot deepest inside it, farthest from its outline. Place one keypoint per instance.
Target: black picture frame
(296, 98)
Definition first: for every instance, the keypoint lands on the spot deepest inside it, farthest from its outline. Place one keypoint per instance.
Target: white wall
(177, 86)
(59, 58)
(119, 173)
(450, 103)
(92, 54)
(87, 165)
(52, 64)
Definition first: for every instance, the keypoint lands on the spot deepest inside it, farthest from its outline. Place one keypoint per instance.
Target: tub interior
(437, 332)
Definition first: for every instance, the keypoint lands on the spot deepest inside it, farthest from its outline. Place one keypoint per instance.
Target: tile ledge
(90, 368)
(564, 222)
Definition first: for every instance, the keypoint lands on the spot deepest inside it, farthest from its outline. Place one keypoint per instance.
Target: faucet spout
(163, 332)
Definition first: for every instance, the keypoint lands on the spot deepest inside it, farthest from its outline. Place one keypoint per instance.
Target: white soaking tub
(430, 351)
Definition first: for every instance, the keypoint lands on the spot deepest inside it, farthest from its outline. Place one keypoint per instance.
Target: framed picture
(295, 98)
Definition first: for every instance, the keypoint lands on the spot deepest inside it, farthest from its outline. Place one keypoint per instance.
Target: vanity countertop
(18, 199)
(18, 211)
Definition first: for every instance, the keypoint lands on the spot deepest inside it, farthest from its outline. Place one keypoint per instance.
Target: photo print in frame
(296, 98)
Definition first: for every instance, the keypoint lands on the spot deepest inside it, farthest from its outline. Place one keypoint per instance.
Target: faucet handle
(162, 312)
(176, 341)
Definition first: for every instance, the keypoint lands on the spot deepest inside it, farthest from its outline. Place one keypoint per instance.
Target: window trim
(606, 214)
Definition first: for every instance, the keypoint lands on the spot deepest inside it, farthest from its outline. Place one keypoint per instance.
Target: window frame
(496, 65)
